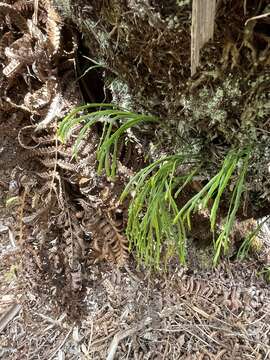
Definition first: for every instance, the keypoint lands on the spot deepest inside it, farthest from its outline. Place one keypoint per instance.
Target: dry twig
(9, 315)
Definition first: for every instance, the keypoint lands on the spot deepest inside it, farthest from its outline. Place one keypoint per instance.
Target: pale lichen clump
(120, 93)
(183, 2)
(222, 111)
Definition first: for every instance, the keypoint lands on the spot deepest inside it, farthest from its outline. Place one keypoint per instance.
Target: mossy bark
(145, 53)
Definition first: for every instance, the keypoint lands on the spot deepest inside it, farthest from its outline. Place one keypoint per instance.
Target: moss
(145, 47)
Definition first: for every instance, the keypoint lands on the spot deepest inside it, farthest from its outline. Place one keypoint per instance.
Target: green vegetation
(110, 116)
(266, 273)
(213, 191)
(157, 227)
(153, 209)
(155, 222)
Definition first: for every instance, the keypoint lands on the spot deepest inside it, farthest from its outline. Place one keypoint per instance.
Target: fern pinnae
(111, 113)
(67, 122)
(152, 210)
(202, 197)
(211, 187)
(223, 238)
(238, 190)
(222, 185)
(114, 159)
(180, 245)
(169, 186)
(81, 135)
(137, 180)
(105, 147)
(103, 157)
(187, 179)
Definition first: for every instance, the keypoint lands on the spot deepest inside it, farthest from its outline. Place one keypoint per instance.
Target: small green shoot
(14, 200)
(11, 274)
(96, 66)
(266, 273)
(248, 242)
(109, 115)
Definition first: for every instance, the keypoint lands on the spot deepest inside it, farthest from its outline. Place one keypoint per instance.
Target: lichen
(145, 47)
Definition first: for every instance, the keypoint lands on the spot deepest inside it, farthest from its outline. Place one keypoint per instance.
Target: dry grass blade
(202, 28)
(60, 345)
(9, 316)
(257, 17)
(122, 335)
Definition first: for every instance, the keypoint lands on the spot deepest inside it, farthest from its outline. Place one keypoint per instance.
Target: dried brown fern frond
(44, 139)
(16, 18)
(54, 35)
(41, 97)
(24, 7)
(6, 40)
(54, 109)
(12, 68)
(43, 151)
(109, 242)
(52, 163)
(21, 49)
(36, 214)
(53, 27)
(74, 245)
(119, 242)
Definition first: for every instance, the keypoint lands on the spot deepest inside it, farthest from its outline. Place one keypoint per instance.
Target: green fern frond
(150, 226)
(155, 223)
(110, 116)
(222, 242)
(213, 191)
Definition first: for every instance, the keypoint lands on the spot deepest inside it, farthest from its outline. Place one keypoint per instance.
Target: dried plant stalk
(202, 28)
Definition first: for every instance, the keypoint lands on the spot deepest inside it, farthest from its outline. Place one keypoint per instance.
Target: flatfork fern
(156, 225)
(109, 115)
(155, 221)
(214, 190)
(151, 212)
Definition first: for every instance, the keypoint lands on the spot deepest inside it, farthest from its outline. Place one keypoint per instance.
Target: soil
(131, 314)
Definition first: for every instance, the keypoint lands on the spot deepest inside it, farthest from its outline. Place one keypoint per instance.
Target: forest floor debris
(57, 301)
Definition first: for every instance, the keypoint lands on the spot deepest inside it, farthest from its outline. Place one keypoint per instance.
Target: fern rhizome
(157, 225)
